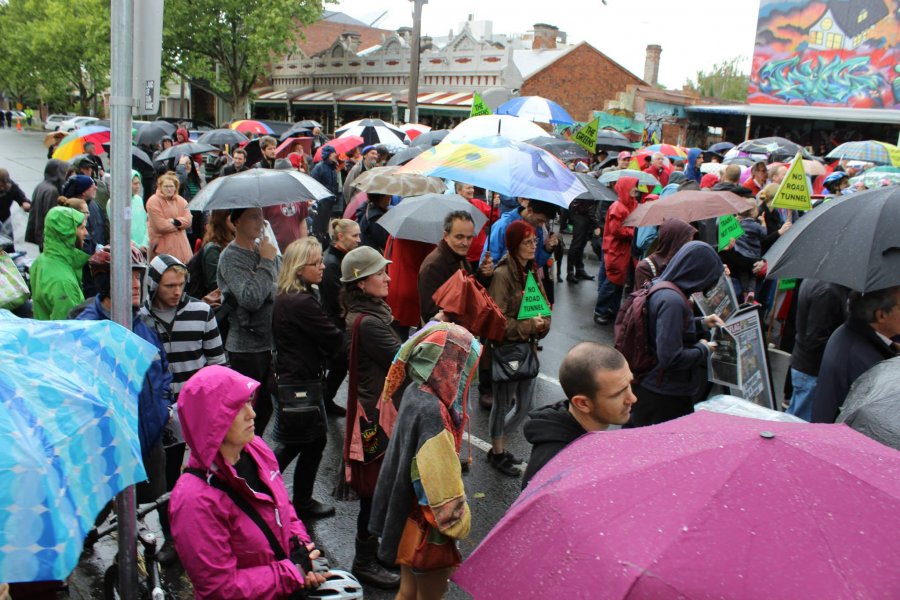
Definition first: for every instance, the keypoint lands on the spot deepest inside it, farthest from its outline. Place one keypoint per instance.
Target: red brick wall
(582, 81)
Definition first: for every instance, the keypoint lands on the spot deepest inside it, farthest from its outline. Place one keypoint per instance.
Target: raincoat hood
(207, 405)
(694, 268)
(59, 236)
(552, 423)
(158, 266)
(690, 171)
(623, 188)
(55, 172)
(673, 234)
(184, 133)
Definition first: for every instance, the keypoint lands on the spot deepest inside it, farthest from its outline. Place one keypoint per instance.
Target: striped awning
(314, 97)
(277, 95)
(367, 97)
(448, 99)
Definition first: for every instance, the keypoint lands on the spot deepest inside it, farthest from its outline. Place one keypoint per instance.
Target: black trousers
(258, 366)
(581, 233)
(337, 370)
(652, 408)
(308, 455)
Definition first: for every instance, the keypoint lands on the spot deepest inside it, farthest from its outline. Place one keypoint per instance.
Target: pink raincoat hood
(207, 405)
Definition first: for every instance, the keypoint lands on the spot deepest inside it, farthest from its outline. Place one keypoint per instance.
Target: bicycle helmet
(340, 585)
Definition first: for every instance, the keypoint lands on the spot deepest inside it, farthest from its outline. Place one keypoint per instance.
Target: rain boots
(368, 570)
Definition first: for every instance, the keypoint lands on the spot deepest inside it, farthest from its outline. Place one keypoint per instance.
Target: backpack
(632, 330)
(196, 286)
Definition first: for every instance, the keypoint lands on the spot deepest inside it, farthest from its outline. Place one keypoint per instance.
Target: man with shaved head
(597, 383)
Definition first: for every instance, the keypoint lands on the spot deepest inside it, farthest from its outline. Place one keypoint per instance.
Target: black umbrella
(295, 131)
(254, 154)
(852, 241)
(610, 140)
(277, 127)
(720, 148)
(775, 148)
(140, 160)
(744, 161)
(564, 150)
(406, 155)
(181, 149)
(152, 133)
(222, 137)
(308, 124)
(430, 138)
(595, 190)
(258, 188)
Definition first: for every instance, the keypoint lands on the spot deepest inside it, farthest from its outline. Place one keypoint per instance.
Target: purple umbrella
(706, 506)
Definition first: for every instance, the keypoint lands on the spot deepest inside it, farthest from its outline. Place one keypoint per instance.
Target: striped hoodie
(192, 339)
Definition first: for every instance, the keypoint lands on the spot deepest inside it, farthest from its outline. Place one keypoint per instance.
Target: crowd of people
(261, 314)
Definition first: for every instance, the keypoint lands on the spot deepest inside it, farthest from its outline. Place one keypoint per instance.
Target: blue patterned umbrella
(68, 421)
(536, 108)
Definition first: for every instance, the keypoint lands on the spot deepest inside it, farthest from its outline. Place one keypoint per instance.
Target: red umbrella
(287, 146)
(688, 205)
(469, 304)
(343, 145)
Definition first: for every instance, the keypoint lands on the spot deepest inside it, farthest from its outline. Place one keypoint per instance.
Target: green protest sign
(793, 193)
(787, 284)
(533, 302)
(586, 136)
(729, 229)
(479, 107)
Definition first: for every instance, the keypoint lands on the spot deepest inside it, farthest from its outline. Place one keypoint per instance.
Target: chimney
(651, 64)
(351, 41)
(405, 33)
(544, 36)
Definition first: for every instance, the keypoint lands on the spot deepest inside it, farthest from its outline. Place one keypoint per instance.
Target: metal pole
(747, 129)
(121, 103)
(414, 61)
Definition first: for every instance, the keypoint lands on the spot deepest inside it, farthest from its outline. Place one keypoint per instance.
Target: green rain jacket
(56, 274)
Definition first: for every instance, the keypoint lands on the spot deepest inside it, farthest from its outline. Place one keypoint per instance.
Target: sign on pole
(586, 136)
(147, 49)
(729, 229)
(479, 107)
(533, 302)
(793, 193)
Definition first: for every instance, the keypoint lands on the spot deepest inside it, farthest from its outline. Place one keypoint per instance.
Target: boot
(335, 410)
(367, 569)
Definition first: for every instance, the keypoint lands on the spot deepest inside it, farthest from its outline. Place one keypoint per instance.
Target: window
(863, 15)
(818, 37)
(826, 24)
(834, 41)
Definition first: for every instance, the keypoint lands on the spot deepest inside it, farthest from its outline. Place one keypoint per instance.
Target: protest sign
(533, 302)
(793, 192)
(586, 136)
(729, 229)
(479, 107)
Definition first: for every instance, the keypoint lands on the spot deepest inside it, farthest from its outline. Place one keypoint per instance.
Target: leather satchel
(301, 411)
(514, 361)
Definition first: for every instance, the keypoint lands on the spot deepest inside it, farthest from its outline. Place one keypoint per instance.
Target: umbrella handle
(490, 197)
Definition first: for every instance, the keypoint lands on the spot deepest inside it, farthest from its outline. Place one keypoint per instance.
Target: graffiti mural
(827, 53)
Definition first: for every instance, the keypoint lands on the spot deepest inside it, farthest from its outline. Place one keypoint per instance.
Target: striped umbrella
(536, 108)
(872, 151)
(73, 144)
(414, 130)
(248, 126)
(373, 132)
(670, 151)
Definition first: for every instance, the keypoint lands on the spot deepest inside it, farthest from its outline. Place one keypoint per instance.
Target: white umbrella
(508, 126)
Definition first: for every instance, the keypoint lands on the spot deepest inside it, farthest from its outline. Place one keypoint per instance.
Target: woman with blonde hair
(304, 338)
(168, 220)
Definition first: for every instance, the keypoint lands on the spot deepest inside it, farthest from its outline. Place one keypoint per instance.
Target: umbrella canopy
(868, 151)
(508, 126)
(613, 141)
(68, 418)
(536, 108)
(688, 205)
(258, 188)
(421, 218)
(222, 137)
(288, 144)
(771, 148)
(595, 190)
(873, 405)
(406, 155)
(374, 132)
(343, 145)
(643, 178)
(296, 131)
(53, 138)
(720, 148)
(414, 130)
(153, 133)
(706, 506)
(179, 150)
(564, 150)
(670, 151)
(308, 124)
(73, 144)
(140, 160)
(851, 240)
(502, 165)
(248, 126)
(430, 138)
(386, 180)
(877, 176)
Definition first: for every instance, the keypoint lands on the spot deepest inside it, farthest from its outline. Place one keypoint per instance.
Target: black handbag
(300, 411)
(514, 361)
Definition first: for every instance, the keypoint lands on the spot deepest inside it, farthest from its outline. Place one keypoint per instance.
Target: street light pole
(414, 61)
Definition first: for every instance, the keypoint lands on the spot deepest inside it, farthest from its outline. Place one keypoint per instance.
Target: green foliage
(224, 46)
(724, 80)
(50, 49)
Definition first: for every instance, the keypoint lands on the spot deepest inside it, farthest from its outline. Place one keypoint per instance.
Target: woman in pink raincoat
(226, 555)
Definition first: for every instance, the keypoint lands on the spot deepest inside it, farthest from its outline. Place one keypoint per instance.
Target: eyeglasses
(318, 263)
(532, 241)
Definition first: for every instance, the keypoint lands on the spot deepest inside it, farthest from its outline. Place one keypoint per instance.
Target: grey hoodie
(44, 197)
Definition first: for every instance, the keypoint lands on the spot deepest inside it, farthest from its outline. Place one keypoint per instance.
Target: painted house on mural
(846, 24)
(364, 72)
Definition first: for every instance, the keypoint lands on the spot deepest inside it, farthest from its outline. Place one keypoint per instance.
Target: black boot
(335, 410)
(312, 509)
(367, 569)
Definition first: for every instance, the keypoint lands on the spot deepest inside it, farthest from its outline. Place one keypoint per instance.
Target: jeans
(801, 400)
(581, 233)
(512, 402)
(609, 295)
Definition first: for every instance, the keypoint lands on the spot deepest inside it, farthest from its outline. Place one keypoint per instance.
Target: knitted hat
(77, 185)
(516, 232)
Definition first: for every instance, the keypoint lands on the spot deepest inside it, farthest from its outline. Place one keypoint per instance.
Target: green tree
(724, 80)
(225, 46)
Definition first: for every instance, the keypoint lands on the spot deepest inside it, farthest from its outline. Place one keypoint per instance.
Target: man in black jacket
(857, 345)
(731, 182)
(821, 309)
(597, 383)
